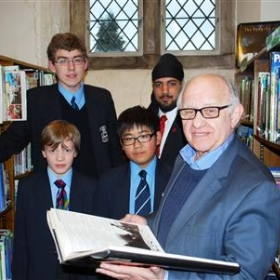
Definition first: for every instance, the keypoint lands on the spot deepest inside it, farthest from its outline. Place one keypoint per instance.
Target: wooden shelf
(4, 212)
(247, 123)
(7, 61)
(270, 145)
(262, 54)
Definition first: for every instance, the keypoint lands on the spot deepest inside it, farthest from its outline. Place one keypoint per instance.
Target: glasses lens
(210, 112)
(187, 114)
(144, 138)
(128, 141)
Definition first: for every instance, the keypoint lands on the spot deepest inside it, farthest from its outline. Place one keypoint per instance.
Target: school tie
(143, 197)
(162, 121)
(74, 104)
(61, 196)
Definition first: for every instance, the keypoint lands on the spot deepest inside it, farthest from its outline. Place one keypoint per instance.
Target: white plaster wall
(27, 26)
(270, 10)
(243, 6)
(257, 10)
(17, 30)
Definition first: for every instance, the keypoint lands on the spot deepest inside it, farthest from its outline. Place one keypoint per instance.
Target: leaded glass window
(155, 35)
(190, 25)
(114, 26)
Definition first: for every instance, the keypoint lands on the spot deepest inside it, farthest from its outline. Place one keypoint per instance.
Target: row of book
(5, 199)
(268, 108)
(6, 250)
(14, 82)
(267, 115)
(23, 162)
(246, 95)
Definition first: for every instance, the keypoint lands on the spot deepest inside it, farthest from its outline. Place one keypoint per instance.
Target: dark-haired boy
(139, 134)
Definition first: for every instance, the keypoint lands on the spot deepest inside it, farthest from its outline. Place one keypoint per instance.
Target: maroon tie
(162, 121)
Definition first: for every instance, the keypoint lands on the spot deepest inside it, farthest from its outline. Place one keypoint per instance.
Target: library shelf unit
(8, 214)
(268, 152)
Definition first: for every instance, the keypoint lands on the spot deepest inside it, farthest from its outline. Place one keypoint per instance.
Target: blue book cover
(2, 190)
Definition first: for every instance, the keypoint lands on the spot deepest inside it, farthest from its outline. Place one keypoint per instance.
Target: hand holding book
(131, 272)
(134, 219)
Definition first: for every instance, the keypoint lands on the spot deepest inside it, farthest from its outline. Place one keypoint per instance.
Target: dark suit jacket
(114, 190)
(43, 107)
(175, 141)
(232, 214)
(35, 255)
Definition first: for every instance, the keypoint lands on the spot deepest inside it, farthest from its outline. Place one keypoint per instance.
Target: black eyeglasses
(128, 141)
(64, 61)
(211, 112)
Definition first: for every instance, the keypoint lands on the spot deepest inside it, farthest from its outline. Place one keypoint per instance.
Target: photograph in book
(85, 240)
(15, 95)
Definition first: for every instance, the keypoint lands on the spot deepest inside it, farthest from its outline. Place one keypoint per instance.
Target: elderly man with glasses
(221, 202)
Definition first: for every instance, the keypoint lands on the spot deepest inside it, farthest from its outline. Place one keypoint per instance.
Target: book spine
(275, 64)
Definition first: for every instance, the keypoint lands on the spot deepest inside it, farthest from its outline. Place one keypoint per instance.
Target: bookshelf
(8, 214)
(266, 150)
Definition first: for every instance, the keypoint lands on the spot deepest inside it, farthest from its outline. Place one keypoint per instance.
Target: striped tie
(74, 104)
(143, 197)
(61, 196)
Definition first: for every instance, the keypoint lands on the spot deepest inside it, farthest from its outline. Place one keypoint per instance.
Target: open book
(82, 239)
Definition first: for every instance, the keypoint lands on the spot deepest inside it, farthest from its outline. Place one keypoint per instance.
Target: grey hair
(234, 96)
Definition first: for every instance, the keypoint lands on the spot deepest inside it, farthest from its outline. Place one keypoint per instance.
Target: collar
(207, 160)
(79, 94)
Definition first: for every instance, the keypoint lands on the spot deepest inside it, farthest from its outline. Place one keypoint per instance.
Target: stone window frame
(152, 39)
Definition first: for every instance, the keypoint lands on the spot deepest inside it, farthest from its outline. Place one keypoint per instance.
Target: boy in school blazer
(35, 254)
(94, 113)
(138, 129)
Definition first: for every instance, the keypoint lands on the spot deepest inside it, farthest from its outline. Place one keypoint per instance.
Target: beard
(167, 107)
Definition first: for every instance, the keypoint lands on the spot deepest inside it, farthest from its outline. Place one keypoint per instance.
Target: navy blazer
(113, 194)
(35, 255)
(43, 107)
(232, 215)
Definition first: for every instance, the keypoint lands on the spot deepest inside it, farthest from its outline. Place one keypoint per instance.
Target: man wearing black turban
(167, 78)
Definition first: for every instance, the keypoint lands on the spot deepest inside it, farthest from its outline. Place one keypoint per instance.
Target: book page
(79, 233)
